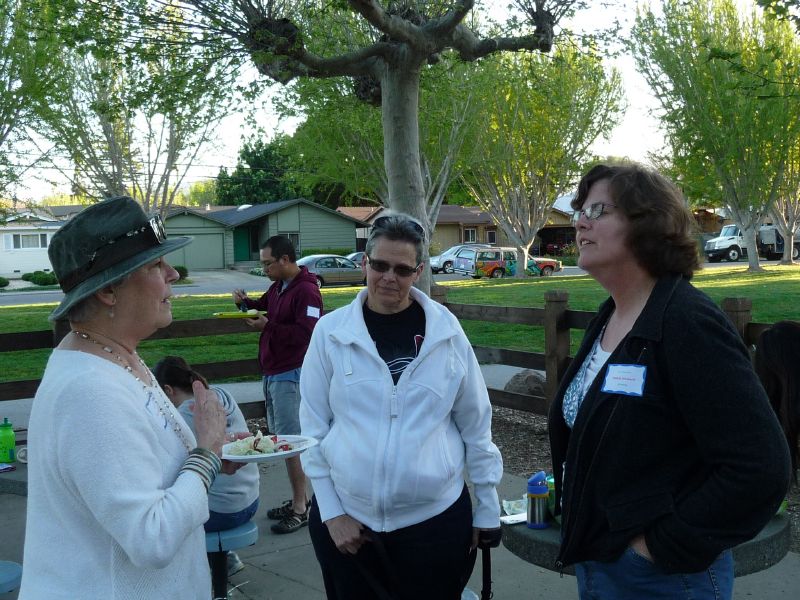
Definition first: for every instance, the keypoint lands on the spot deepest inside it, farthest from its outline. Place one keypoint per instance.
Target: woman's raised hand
(209, 418)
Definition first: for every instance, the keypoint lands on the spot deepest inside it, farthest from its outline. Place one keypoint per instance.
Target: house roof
(233, 216)
(362, 213)
(463, 215)
(452, 214)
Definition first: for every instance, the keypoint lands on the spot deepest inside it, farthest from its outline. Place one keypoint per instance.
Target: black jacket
(698, 462)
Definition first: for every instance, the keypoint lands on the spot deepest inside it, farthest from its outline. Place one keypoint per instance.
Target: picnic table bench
(540, 546)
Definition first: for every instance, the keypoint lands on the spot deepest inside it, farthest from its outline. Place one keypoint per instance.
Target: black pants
(429, 560)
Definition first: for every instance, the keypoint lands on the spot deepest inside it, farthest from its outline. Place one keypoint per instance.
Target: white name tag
(625, 379)
(313, 312)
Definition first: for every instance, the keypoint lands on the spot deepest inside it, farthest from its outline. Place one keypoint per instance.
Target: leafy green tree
(341, 140)
(260, 175)
(723, 80)
(199, 193)
(137, 103)
(27, 74)
(383, 46)
(537, 125)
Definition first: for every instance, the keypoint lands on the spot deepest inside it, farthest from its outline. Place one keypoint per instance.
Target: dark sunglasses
(383, 222)
(592, 212)
(381, 266)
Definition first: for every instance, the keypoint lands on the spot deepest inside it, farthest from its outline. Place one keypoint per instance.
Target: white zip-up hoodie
(390, 455)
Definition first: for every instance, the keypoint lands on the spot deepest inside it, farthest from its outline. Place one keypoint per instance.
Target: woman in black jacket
(666, 453)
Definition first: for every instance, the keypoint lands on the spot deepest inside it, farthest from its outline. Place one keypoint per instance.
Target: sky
(635, 136)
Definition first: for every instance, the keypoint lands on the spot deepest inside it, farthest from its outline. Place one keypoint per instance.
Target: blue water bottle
(537, 501)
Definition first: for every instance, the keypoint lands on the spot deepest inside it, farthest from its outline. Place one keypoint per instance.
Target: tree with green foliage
(137, 103)
(537, 125)
(260, 175)
(341, 139)
(723, 80)
(27, 74)
(199, 193)
(382, 46)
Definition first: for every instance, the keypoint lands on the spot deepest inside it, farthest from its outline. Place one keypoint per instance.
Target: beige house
(461, 224)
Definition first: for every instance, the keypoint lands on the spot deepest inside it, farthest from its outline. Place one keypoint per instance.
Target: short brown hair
(661, 225)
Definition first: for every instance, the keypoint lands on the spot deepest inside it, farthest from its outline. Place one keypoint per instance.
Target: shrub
(257, 271)
(42, 278)
(27, 276)
(183, 272)
(4, 282)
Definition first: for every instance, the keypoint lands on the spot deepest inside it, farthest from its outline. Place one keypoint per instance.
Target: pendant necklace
(164, 411)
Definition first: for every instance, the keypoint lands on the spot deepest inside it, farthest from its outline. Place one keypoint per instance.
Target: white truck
(729, 244)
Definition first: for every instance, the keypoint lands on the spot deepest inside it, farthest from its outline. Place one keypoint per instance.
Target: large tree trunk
(749, 235)
(400, 112)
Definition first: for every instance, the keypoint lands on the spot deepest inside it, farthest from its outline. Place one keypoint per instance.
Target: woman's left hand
(485, 538)
(639, 545)
(209, 419)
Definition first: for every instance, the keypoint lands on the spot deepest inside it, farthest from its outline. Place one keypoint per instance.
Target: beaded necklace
(164, 411)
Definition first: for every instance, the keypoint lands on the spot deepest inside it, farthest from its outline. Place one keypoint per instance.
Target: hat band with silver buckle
(126, 246)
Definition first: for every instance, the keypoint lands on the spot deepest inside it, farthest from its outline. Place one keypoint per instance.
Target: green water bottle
(8, 442)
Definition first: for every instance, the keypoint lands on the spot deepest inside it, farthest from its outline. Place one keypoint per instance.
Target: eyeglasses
(381, 266)
(591, 212)
(383, 222)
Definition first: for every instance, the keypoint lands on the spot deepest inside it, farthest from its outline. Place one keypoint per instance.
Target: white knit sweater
(108, 515)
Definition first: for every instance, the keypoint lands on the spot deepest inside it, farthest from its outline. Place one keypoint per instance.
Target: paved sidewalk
(283, 567)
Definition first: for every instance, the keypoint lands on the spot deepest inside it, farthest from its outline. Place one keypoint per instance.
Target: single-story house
(461, 224)
(26, 236)
(230, 236)
(224, 236)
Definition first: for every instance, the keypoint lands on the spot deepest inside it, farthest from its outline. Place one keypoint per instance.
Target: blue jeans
(222, 521)
(633, 577)
(283, 406)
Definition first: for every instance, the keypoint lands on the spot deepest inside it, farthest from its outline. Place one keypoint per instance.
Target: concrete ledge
(540, 546)
(15, 482)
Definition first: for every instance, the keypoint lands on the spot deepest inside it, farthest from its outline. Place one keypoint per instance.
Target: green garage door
(205, 252)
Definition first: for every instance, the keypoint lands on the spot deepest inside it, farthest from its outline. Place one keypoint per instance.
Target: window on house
(470, 235)
(295, 239)
(29, 240)
(491, 236)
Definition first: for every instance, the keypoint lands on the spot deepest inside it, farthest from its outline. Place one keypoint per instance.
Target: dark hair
(661, 225)
(776, 361)
(280, 245)
(176, 372)
(397, 227)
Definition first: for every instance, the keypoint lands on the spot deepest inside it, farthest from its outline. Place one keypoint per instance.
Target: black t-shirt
(398, 337)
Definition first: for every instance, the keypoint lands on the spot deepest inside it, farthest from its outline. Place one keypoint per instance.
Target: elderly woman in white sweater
(117, 482)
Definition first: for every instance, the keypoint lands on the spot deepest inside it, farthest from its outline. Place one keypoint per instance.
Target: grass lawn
(774, 293)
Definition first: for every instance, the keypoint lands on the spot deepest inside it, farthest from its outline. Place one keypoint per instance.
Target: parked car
(500, 262)
(356, 257)
(444, 262)
(331, 269)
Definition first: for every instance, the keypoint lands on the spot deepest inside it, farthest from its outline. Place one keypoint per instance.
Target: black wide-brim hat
(102, 244)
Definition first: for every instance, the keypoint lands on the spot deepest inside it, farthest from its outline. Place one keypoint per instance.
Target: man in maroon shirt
(293, 304)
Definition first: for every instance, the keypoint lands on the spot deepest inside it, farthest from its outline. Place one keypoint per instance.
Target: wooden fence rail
(556, 318)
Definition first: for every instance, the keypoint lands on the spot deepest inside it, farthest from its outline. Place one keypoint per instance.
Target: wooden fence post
(439, 293)
(739, 311)
(556, 339)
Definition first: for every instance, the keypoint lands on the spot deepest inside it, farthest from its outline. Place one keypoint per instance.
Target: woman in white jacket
(393, 393)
